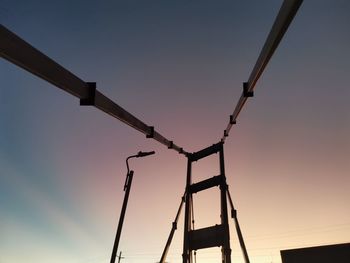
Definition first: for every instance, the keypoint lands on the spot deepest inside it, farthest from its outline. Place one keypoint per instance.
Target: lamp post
(127, 186)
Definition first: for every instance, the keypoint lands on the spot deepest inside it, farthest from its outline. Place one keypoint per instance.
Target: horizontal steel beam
(205, 184)
(285, 16)
(22, 54)
(206, 237)
(205, 152)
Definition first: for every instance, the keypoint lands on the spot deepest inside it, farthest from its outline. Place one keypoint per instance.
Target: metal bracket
(90, 99)
(225, 133)
(151, 132)
(233, 213)
(232, 121)
(246, 92)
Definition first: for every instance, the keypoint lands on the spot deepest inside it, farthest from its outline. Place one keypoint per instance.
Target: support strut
(171, 235)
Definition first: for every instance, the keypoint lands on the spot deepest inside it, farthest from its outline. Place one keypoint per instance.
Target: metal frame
(213, 236)
(22, 54)
(218, 235)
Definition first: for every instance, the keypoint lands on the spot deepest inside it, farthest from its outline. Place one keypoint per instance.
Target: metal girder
(22, 54)
(212, 236)
(285, 16)
(205, 184)
(205, 152)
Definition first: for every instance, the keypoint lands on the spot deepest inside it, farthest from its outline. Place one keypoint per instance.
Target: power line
(305, 231)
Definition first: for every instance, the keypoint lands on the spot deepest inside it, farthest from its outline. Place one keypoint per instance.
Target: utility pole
(120, 256)
(127, 187)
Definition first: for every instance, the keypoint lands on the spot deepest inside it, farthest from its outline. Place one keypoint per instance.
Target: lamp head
(143, 154)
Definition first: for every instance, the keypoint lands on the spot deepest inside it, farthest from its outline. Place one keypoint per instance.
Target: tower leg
(226, 249)
(186, 256)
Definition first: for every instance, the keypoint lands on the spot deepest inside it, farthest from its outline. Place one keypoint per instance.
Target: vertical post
(127, 187)
(218, 235)
(186, 256)
(225, 250)
(120, 256)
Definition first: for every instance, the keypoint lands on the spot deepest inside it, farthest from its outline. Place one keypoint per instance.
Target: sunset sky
(179, 66)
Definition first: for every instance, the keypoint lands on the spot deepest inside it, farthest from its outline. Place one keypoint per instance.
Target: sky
(178, 66)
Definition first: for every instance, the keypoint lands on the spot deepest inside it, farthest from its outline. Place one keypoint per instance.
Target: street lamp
(127, 186)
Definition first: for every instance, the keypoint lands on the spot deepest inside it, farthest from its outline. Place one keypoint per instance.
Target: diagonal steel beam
(22, 54)
(285, 16)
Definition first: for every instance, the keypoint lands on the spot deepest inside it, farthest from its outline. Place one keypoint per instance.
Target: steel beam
(205, 152)
(238, 229)
(285, 16)
(22, 54)
(171, 235)
(212, 236)
(205, 184)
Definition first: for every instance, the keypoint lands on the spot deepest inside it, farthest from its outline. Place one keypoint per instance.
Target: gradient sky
(177, 65)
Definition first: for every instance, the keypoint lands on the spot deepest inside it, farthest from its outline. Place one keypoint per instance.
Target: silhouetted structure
(21, 53)
(284, 17)
(212, 236)
(127, 187)
(339, 253)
